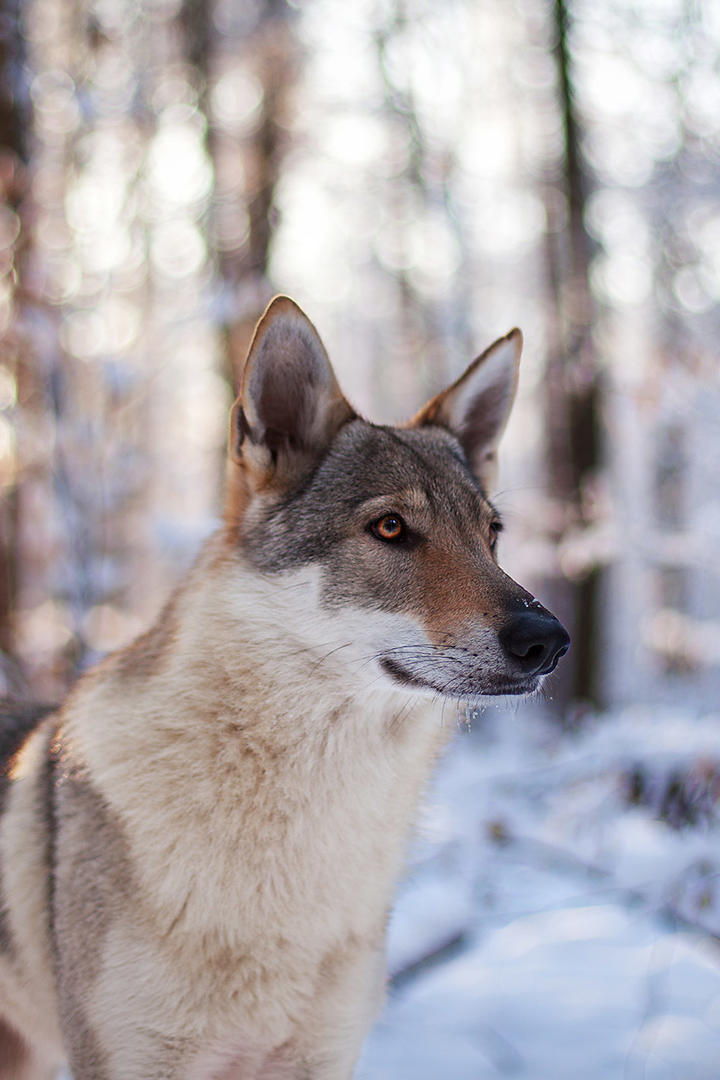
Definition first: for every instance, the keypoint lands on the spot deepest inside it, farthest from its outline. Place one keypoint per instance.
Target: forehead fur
(365, 462)
(397, 457)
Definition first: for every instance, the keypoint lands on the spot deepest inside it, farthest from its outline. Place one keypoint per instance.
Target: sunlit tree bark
(249, 69)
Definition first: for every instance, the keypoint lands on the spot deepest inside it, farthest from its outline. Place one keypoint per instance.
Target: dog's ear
(477, 406)
(290, 405)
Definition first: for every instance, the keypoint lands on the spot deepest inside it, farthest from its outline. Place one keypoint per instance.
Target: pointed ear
(477, 406)
(290, 405)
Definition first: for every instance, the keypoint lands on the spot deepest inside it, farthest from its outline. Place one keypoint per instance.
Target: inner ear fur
(290, 405)
(477, 406)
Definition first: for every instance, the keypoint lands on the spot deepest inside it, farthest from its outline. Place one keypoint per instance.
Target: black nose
(534, 640)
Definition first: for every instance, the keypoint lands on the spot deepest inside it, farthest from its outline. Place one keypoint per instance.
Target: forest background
(420, 177)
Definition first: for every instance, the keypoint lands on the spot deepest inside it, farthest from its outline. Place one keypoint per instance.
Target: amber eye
(495, 530)
(389, 527)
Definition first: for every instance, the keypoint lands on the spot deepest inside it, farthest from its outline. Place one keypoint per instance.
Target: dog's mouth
(459, 688)
(400, 675)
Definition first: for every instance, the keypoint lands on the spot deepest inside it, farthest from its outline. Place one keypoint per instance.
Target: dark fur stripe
(48, 809)
(17, 722)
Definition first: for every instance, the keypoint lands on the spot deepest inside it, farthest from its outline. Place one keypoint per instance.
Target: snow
(545, 930)
(579, 992)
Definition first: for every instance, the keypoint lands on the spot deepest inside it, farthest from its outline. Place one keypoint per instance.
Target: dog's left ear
(477, 406)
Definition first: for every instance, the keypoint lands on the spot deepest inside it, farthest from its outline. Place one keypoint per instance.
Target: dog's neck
(270, 643)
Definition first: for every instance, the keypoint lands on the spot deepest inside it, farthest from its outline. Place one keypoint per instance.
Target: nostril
(534, 652)
(534, 641)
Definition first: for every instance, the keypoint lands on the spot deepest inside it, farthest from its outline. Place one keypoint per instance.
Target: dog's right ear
(290, 405)
(477, 406)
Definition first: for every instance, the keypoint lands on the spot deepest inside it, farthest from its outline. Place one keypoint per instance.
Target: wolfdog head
(393, 525)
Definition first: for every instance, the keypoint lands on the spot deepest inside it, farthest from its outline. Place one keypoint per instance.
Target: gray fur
(92, 886)
(18, 720)
(363, 462)
(422, 474)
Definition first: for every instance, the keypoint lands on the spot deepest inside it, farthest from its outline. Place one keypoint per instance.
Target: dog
(198, 851)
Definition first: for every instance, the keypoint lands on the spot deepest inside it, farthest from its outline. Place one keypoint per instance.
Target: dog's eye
(495, 530)
(390, 527)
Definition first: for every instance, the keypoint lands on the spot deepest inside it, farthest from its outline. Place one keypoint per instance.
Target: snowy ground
(551, 927)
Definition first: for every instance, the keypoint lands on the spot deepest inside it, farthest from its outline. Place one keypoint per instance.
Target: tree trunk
(260, 51)
(13, 123)
(573, 401)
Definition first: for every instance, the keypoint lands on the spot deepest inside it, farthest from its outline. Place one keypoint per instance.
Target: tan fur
(198, 853)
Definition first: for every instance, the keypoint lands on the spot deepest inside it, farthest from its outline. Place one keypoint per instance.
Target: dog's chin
(493, 691)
